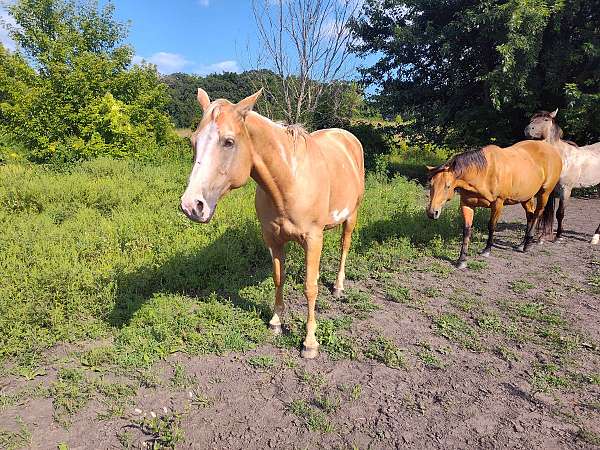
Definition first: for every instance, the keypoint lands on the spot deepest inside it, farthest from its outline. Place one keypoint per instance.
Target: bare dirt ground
(503, 355)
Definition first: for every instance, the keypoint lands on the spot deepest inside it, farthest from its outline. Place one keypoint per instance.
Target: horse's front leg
(278, 258)
(467, 213)
(497, 207)
(312, 248)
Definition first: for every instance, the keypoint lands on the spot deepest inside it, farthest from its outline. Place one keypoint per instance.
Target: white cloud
(204, 3)
(165, 62)
(219, 67)
(6, 19)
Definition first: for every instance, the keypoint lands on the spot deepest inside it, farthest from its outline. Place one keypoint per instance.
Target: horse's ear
(554, 113)
(246, 105)
(203, 99)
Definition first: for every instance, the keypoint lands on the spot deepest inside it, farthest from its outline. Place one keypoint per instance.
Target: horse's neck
(274, 162)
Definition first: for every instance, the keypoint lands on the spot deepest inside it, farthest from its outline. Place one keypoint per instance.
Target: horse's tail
(546, 222)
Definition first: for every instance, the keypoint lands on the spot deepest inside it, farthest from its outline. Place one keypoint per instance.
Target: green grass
(100, 250)
(314, 419)
(13, 440)
(261, 361)
(456, 329)
(385, 351)
(520, 286)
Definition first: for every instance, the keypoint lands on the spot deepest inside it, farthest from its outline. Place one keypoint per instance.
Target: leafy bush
(69, 93)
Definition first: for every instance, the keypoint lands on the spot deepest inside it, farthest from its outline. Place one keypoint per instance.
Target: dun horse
(492, 177)
(581, 165)
(307, 183)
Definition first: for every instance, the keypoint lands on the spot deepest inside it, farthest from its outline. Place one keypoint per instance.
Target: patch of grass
(356, 392)
(261, 362)
(116, 396)
(200, 400)
(333, 341)
(520, 286)
(397, 294)
(506, 353)
(477, 265)
(540, 312)
(456, 329)
(589, 436)
(164, 431)
(385, 351)
(429, 359)
(432, 292)
(180, 379)
(463, 300)
(327, 404)
(314, 419)
(546, 377)
(71, 392)
(13, 440)
(19, 397)
(314, 379)
(359, 301)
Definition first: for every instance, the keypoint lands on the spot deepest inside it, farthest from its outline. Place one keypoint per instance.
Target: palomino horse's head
(543, 126)
(222, 155)
(442, 183)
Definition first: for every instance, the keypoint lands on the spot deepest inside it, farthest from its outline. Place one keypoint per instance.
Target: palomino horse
(581, 165)
(492, 177)
(307, 183)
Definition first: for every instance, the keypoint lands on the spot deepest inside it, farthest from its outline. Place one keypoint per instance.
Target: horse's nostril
(199, 207)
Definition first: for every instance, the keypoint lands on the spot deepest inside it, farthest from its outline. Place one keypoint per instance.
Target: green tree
(77, 95)
(470, 71)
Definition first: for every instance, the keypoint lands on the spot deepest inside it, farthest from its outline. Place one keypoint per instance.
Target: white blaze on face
(339, 216)
(203, 173)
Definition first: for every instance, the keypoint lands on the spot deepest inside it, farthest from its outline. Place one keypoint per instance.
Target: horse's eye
(228, 142)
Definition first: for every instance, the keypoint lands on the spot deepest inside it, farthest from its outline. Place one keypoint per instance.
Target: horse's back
(343, 153)
(520, 171)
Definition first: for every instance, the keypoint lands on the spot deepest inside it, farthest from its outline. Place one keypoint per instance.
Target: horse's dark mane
(460, 163)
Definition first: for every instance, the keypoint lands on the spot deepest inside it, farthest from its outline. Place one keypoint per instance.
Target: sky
(193, 36)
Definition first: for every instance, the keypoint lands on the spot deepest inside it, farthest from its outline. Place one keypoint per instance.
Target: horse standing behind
(306, 183)
(581, 165)
(492, 177)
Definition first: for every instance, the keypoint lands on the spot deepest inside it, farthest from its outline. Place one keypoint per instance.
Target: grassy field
(114, 306)
(101, 251)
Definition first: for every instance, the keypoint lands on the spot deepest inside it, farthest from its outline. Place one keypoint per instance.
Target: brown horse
(492, 177)
(581, 165)
(307, 183)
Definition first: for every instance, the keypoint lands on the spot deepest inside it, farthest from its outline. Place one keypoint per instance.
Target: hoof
(338, 293)
(461, 265)
(485, 253)
(275, 329)
(595, 240)
(309, 352)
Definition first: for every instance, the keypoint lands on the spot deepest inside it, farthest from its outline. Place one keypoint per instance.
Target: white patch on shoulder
(596, 239)
(339, 216)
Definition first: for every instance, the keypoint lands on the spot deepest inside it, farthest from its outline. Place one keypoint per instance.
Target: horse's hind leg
(542, 199)
(348, 228)
(596, 237)
(278, 259)
(565, 195)
(529, 207)
(468, 214)
(497, 208)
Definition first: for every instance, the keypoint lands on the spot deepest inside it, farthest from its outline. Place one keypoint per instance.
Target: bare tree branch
(306, 43)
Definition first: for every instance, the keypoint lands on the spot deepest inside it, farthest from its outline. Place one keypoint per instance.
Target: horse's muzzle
(433, 213)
